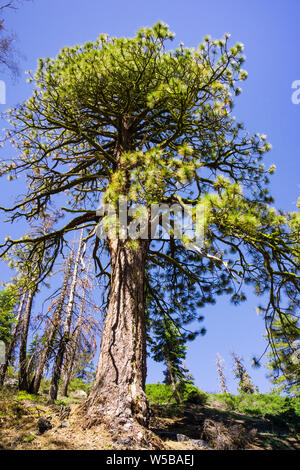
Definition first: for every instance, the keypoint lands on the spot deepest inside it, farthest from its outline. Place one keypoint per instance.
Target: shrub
(230, 437)
(191, 394)
(259, 404)
(162, 393)
(159, 393)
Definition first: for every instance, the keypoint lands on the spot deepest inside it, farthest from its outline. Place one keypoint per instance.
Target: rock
(11, 383)
(78, 394)
(195, 442)
(127, 426)
(125, 441)
(66, 424)
(200, 443)
(182, 438)
(43, 425)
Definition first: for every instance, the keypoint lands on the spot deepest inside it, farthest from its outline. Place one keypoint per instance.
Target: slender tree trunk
(73, 350)
(220, 362)
(36, 381)
(118, 394)
(23, 379)
(172, 380)
(57, 368)
(11, 346)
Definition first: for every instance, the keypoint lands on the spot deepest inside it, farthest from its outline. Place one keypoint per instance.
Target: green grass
(29, 438)
(29, 396)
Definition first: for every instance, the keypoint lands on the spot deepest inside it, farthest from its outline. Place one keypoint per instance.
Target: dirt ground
(19, 428)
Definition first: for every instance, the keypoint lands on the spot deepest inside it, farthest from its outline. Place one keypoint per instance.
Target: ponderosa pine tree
(128, 117)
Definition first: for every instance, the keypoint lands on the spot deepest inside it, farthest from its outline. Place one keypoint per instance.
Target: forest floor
(179, 427)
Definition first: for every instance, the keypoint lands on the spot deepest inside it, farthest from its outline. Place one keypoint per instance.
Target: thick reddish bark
(119, 391)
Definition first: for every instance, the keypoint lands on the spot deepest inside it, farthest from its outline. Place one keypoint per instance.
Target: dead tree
(65, 338)
(74, 344)
(54, 326)
(222, 378)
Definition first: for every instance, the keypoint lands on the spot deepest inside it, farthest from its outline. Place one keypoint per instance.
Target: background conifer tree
(284, 359)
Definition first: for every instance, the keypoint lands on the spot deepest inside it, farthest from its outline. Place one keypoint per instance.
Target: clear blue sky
(269, 30)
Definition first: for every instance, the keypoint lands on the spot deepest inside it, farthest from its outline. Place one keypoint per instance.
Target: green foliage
(284, 370)
(162, 393)
(245, 383)
(167, 345)
(8, 301)
(10, 372)
(79, 384)
(29, 438)
(84, 368)
(159, 393)
(191, 394)
(260, 404)
(22, 396)
(62, 402)
(253, 405)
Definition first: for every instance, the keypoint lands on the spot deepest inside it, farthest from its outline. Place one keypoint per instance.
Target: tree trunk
(11, 346)
(172, 380)
(57, 368)
(118, 394)
(23, 379)
(73, 350)
(36, 381)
